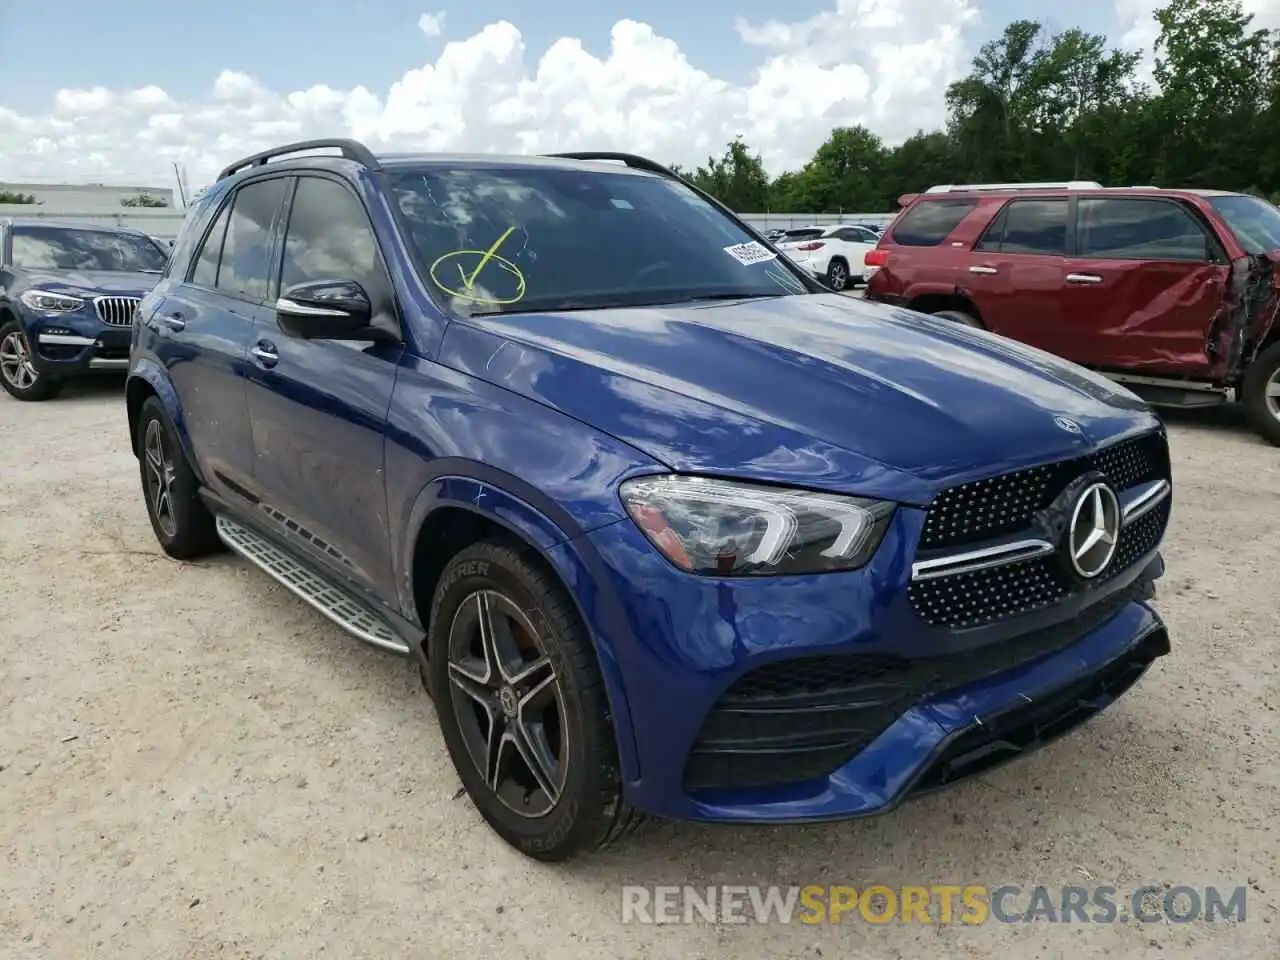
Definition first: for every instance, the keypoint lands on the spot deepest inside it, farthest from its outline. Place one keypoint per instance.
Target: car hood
(88, 283)
(819, 390)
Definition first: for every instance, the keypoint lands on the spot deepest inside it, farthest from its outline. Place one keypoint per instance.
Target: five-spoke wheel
(522, 705)
(506, 695)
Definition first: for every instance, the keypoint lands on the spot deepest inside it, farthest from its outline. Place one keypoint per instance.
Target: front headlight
(46, 302)
(730, 529)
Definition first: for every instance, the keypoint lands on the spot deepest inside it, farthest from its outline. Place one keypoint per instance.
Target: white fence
(789, 221)
(153, 220)
(165, 223)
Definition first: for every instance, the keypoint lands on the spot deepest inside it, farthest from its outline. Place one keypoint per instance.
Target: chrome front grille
(985, 509)
(116, 311)
(987, 551)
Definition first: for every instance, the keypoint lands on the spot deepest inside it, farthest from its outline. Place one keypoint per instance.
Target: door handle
(982, 270)
(1083, 278)
(174, 322)
(265, 353)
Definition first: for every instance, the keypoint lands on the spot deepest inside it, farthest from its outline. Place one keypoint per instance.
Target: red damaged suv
(1171, 292)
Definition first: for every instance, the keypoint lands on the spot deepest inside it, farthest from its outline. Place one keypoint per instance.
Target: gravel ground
(194, 764)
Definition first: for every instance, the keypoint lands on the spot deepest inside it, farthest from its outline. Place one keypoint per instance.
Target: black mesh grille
(800, 719)
(1140, 538)
(985, 509)
(971, 599)
(970, 514)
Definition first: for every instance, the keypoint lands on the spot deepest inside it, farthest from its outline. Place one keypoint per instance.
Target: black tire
(960, 317)
(585, 811)
(838, 274)
(19, 379)
(182, 523)
(1263, 414)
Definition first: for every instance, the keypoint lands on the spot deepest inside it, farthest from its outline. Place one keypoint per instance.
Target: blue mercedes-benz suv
(67, 296)
(666, 526)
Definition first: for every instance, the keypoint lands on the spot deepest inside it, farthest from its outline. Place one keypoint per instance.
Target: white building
(97, 203)
(66, 199)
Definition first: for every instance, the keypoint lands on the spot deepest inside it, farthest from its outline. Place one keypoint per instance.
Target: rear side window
(1028, 226)
(930, 222)
(1139, 229)
(245, 268)
(205, 273)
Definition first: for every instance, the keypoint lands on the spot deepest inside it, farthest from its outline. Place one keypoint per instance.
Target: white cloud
(885, 63)
(1139, 29)
(431, 24)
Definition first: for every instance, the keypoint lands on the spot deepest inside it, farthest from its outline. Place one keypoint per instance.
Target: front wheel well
(937, 302)
(135, 395)
(448, 531)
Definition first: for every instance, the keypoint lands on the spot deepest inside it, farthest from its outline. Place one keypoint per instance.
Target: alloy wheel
(839, 276)
(15, 362)
(506, 696)
(1272, 392)
(160, 475)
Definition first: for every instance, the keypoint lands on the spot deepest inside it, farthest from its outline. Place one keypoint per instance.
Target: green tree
(737, 179)
(143, 200)
(13, 196)
(1065, 106)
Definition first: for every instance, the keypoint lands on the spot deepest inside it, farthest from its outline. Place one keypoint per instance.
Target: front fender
(568, 552)
(147, 373)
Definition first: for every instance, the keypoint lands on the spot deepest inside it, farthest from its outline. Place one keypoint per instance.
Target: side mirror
(325, 310)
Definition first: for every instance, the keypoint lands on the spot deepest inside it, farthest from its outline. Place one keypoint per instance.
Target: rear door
(1144, 288)
(202, 326)
(1014, 274)
(319, 407)
(854, 244)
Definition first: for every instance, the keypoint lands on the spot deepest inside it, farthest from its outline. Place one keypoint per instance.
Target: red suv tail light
(876, 258)
(815, 245)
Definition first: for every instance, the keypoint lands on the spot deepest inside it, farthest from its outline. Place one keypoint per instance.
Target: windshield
(809, 233)
(523, 238)
(58, 248)
(1255, 222)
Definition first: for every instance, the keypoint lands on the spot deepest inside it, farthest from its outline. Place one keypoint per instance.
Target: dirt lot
(194, 764)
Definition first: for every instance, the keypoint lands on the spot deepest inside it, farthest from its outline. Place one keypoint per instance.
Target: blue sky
(290, 45)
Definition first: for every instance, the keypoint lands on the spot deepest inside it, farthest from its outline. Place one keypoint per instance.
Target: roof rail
(630, 159)
(1060, 185)
(351, 150)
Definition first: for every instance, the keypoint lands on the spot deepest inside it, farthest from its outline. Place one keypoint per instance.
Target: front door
(1014, 272)
(319, 407)
(1144, 288)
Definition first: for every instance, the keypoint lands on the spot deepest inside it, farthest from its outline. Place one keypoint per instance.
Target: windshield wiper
(568, 306)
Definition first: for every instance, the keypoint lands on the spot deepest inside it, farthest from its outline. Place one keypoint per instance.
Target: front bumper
(688, 642)
(67, 348)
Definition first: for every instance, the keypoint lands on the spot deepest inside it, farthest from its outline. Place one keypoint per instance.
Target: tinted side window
(1029, 226)
(245, 267)
(929, 222)
(189, 235)
(206, 269)
(1138, 229)
(329, 238)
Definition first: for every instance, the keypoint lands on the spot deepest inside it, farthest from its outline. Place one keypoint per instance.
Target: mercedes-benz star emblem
(1067, 424)
(1095, 530)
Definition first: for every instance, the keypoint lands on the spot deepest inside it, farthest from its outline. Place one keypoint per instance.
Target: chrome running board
(351, 614)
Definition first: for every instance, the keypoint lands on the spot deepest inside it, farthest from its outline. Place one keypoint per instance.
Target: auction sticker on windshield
(749, 253)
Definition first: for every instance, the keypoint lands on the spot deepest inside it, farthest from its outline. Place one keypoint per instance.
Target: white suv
(835, 254)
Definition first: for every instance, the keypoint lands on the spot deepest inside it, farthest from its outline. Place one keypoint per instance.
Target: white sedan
(834, 254)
